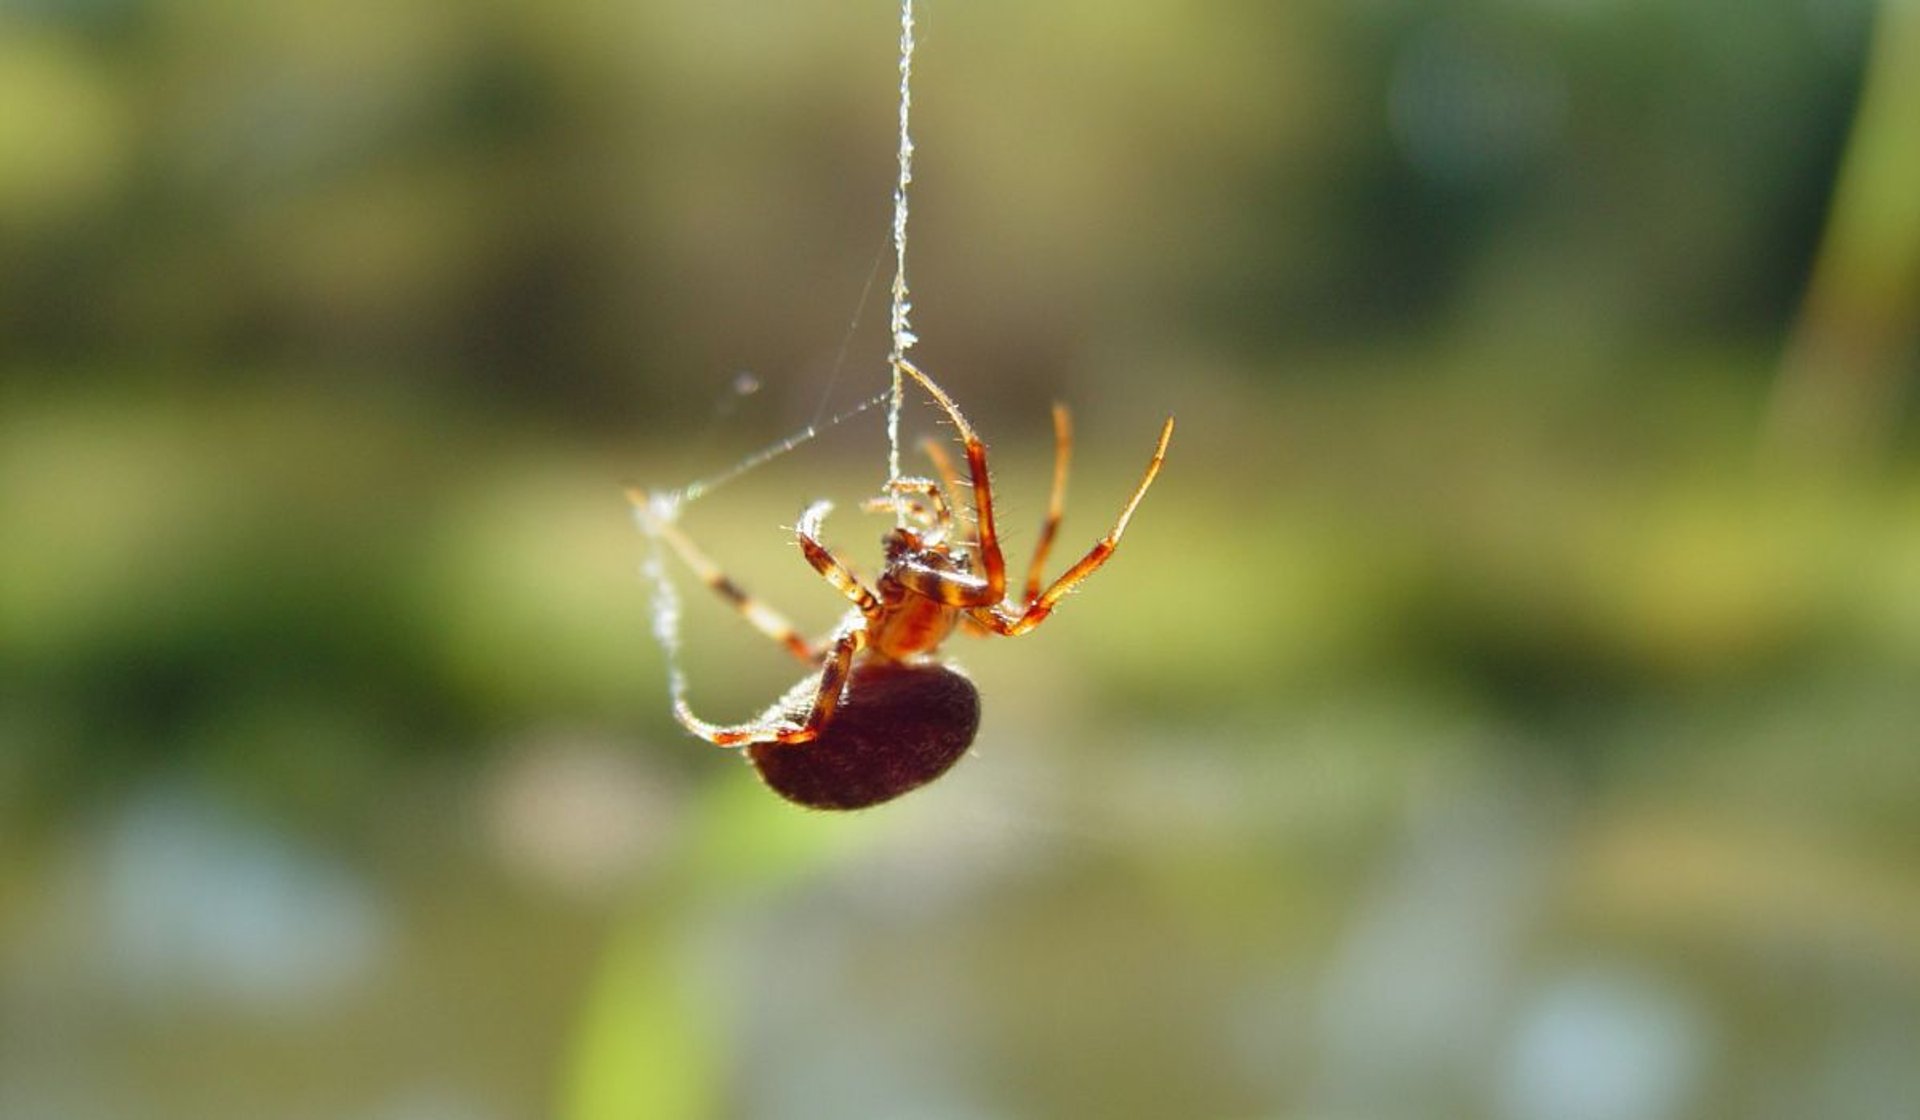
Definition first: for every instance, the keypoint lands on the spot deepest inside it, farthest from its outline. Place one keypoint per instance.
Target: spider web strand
(695, 490)
(903, 337)
(666, 597)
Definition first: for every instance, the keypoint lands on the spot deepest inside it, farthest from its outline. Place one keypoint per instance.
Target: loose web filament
(666, 598)
(765, 455)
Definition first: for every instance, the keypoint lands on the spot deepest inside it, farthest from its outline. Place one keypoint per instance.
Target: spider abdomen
(899, 725)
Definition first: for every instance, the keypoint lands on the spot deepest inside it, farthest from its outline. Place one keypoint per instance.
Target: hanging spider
(884, 715)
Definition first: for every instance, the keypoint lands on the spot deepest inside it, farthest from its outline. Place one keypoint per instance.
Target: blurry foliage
(328, 332)
(1849, 365)
(521, 204)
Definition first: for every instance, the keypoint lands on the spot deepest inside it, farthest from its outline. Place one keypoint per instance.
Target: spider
(884, 715)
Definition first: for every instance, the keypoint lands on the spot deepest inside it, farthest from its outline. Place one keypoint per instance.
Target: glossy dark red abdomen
(898, 727)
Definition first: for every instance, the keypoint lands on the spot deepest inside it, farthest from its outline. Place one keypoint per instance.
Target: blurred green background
(1504, 705)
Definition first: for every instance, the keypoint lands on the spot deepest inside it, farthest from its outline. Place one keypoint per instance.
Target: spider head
(903, 544)
(928, 550)
(916, 502)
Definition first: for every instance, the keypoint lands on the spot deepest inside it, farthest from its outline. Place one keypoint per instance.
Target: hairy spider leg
(923, 499)
(807, 532)
(767, 729)
(838, 657)
(942, 465)
(985, 600)
(950, 478)
(1001, 621)
(851, 639)
(1056, 499)
(762, 617)
(993, 588)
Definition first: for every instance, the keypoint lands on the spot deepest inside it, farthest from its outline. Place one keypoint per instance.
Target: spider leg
(927, 502)
(824, 562)
(770, 728)
(942, 465)
(994, 587)
(1056, 499)
(763, 618)
(1036, 611)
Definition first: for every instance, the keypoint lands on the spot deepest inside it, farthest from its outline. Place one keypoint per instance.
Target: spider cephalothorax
(883, 715)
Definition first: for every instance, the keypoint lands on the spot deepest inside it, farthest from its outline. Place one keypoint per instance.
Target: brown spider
(884, 715)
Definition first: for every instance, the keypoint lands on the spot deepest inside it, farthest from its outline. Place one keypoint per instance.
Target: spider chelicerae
(884, 715)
